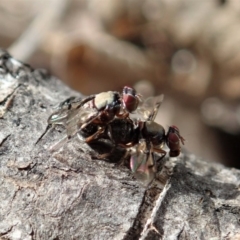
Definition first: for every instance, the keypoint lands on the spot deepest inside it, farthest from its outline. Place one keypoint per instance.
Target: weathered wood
(67, 194)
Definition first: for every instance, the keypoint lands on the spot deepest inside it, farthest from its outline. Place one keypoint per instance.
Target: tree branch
(67, 195)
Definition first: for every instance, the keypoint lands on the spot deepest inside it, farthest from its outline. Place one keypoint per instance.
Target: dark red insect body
(130, 99)
(173, 141)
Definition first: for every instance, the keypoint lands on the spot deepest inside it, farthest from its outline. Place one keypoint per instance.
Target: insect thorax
(105, 98)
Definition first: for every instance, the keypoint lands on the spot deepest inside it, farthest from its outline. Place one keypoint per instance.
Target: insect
(142, 161)
(141, 135)
(110, 116)
(126, 132)
(99, 109)
(152, 140)
(95, 110)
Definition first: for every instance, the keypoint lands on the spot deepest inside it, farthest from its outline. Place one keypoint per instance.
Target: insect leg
(161, 151)
(83, 101)
(89, 121)
(105, 155)
(123, 115)
(127, 145)
(42, 135)
(95, 136)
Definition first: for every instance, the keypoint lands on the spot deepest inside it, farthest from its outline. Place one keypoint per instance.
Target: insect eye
(129, 90)
(130, 99)
(130, 102)
(173, 138)
(174, 128)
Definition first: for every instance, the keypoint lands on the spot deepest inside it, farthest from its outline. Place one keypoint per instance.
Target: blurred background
(187, 49)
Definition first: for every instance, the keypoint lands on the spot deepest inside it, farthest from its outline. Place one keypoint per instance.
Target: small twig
(24, 47)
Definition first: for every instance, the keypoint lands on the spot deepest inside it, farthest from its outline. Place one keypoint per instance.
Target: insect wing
(58, 144)
(148, 109)
(60, 116)
(156, 103)
(142, 163)
(67, 104)
(138, 158)
(77, 117)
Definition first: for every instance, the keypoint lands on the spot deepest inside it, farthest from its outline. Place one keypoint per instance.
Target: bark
(68, 194)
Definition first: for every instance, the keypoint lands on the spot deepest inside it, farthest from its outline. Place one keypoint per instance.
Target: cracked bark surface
(67, 194)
